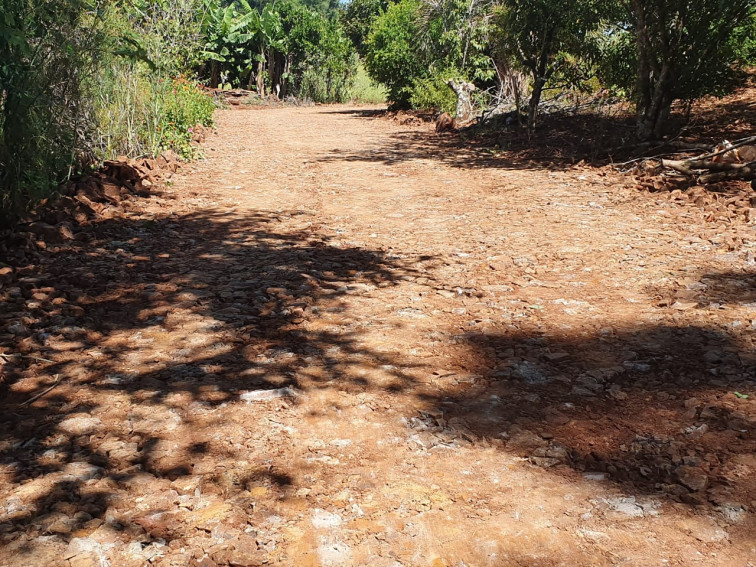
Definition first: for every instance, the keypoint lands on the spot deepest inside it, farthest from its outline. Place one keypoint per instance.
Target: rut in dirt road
(343, 341)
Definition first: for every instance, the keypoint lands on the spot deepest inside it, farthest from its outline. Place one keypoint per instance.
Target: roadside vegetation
(525, 51)
(83, 81)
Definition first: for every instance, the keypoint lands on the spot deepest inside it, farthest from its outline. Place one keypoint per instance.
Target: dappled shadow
(560, 142)
(146, 328)
(663, 410)
(717, 119)
(360, 112)
(595, 136)
(449, 149)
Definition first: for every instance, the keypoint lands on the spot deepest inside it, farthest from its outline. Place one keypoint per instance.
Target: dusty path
(334, 343)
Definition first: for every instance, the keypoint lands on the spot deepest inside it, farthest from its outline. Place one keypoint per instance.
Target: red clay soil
(342, 340)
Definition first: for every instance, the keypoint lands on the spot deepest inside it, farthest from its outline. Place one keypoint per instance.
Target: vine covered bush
(185, 107)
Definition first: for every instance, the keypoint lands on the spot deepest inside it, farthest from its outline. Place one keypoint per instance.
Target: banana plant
(249, 33)
(271, 40)
(227, 31)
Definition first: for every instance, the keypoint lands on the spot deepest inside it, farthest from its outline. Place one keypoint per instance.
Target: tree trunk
(535, 100)
(272, 72)
(655, 104)
(464, 104)
(541, 74)
(261, 75)
(517, 100)
(276, 63)
(214, 74)
(286, 71)
(655, 82)
(280, 83)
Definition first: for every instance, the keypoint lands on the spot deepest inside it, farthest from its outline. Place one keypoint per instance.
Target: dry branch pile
(715, 181)
(726, 162)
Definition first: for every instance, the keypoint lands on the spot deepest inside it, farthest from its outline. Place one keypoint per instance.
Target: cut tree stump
(464, 104)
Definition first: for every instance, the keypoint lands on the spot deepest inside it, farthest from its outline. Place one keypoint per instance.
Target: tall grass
(47, 51)
(140, 113)
(365, 90)
(79, 83)
(127, 112)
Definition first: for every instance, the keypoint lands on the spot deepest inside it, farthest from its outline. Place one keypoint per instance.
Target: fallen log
(688, 166)
(728, 161)
(746, 172)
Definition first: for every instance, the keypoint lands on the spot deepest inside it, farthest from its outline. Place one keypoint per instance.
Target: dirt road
(342, 340)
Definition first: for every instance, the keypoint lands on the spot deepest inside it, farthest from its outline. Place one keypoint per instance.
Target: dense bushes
(433, 92)
(414, 46)
(391, 57)
(138, 114)
(48, 50)
(285, 49)
(85, 80)
(82, 81)
(321, 59)
(652, 52)
(184, 107)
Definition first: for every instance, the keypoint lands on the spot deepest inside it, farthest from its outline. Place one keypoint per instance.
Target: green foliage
(547, 39)
(454, 36)
(166, 32)
(127, 110)
(184, 107)
(743, 42)
(139, 114)
(392, 57)
(47, 49)
(357, 19)
(365, 90)
(676, 49)
(229, 32)
(433, 93)
(82, 80)
(322, 61)
(415, 45)
(326, 73)
(286, 47)
(699, 51)
(613, 50)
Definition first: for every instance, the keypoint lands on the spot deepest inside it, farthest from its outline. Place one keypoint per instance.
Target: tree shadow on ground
(596, 136)
(144, 328)
(717, 119)
(662, 410)
(561, 141)
(448, 149)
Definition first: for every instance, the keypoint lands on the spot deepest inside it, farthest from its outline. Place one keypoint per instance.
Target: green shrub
(321, 58)
(357, 17)
(47, 49)
(140, 114)
(79, 82)
(391, 54)
(185, 106)
(433, 93)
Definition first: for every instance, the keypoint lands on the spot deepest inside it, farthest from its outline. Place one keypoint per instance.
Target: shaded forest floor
(342, 340)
